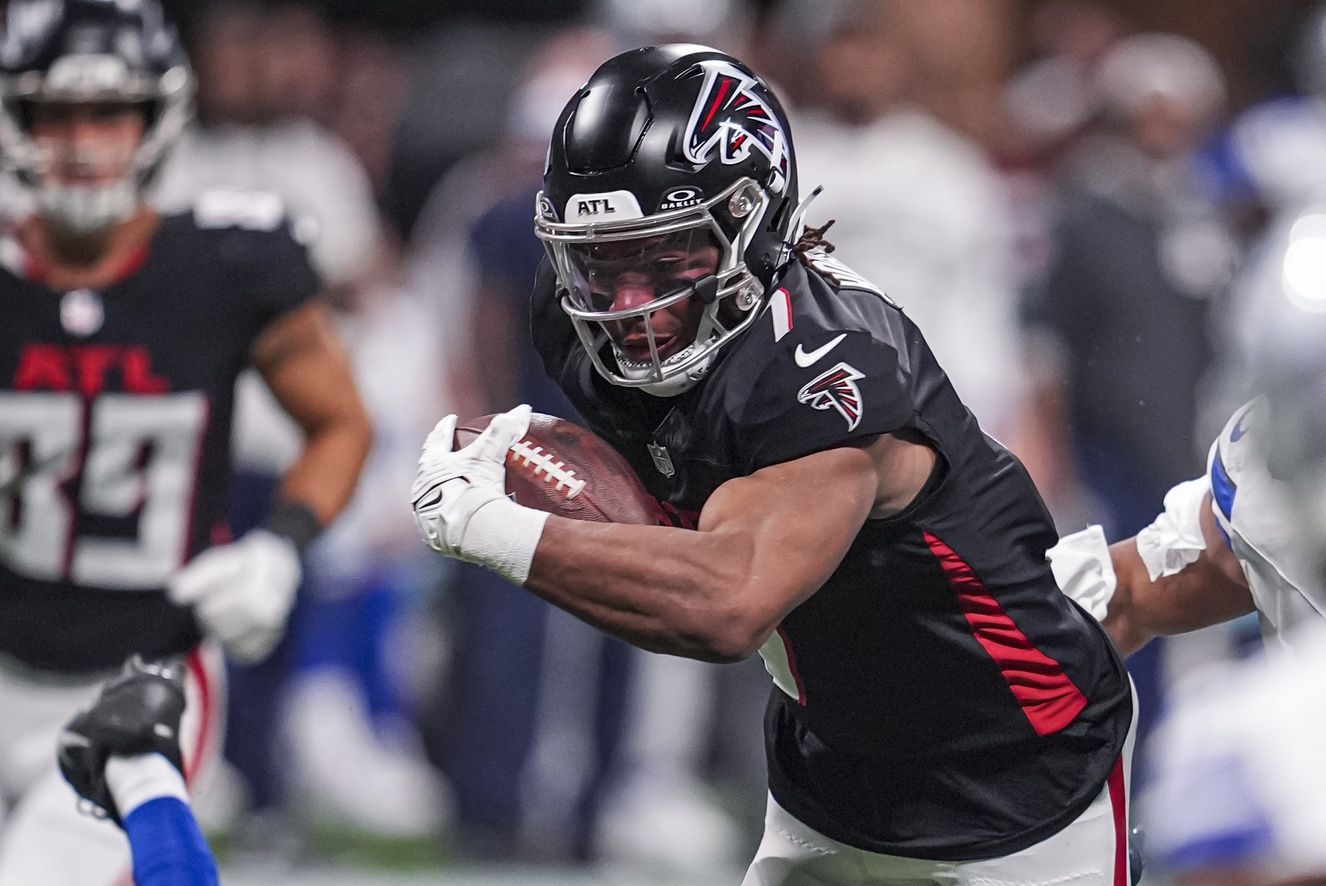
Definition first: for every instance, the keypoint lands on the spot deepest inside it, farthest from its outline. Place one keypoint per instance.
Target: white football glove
(241, 593)
(460, 501)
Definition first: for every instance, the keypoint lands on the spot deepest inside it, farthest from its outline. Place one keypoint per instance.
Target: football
(561, 468)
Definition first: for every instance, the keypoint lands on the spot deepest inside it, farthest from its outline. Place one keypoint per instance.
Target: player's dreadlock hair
(813, 238)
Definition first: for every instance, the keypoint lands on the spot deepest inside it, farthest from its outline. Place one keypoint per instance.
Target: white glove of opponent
(460, 501)
(242, 592)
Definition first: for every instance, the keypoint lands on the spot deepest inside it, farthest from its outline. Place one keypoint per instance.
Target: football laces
(526, 455)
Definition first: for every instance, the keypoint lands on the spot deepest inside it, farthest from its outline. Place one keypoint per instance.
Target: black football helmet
(672, 165)
(90, 51)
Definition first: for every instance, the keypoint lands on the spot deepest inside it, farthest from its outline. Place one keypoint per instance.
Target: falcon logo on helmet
(730, 119)
(836, 389)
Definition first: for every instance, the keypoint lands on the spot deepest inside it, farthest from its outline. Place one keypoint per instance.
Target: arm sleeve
(857, 391)
(168, 846)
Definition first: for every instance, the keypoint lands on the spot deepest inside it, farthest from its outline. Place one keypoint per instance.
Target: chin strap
(679, 384)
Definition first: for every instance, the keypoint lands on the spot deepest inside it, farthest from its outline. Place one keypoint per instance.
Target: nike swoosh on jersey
(806, 358)
(1238, 431)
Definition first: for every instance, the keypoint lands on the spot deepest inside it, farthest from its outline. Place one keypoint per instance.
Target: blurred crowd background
(1068, 196)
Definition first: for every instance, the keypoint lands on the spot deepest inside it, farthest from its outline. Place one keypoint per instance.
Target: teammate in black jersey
(121, 338)
(942, 713)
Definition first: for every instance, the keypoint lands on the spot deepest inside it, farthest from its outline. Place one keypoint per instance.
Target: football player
(1239, 797)
(940, 712)
(1223, 547)
(1231, 541)
(122, 755)
(123, 333)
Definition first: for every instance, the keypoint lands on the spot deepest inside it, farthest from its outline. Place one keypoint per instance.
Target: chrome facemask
(730, 295)
(92, 79)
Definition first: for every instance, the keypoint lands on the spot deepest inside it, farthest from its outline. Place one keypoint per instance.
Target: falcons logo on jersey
(730, 119)
(836, 389)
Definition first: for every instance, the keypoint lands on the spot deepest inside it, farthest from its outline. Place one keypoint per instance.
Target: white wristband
(502, 535)
(134, 781)
(1084, 571)
(1175, 539)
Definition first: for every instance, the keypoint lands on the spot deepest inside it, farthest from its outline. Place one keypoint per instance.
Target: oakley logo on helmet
(680, 198)
(730, 120)
(836, 389)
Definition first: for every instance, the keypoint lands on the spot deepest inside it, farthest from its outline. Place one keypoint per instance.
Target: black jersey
(115, 415)
(938, 697)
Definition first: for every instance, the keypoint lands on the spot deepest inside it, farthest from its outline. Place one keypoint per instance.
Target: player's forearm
(1197, 596)
(305, 365)
(1125, 620)
(1143, 608)
(325, 475)
(666, 590)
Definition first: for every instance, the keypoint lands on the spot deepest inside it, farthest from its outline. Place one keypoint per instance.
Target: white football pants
(1091, 851)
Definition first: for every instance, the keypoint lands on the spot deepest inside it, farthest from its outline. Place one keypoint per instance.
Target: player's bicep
(1204, 594)
(793, 524)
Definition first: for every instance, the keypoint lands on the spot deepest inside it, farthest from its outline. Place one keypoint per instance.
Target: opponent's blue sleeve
(168, 846)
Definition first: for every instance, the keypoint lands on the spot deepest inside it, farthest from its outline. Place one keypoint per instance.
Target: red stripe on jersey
(1048, 698)
(206, 712)
(1119, 803)
(134, 263)
(781, 309)
(792, 665)
(37, 270)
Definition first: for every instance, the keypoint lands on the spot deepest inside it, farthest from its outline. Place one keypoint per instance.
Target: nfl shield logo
(662, 460)
(81, 312)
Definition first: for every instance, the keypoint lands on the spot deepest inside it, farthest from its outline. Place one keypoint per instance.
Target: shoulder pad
(840, 275)
(247, 210)
(1234, 457)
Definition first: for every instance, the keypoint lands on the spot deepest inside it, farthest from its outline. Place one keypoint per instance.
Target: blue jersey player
(122, 756)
